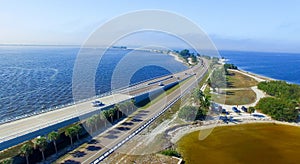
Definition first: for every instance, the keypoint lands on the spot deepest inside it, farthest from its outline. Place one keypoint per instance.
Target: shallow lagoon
(247, 143)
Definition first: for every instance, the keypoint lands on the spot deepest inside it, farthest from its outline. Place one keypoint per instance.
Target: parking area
(230, 113)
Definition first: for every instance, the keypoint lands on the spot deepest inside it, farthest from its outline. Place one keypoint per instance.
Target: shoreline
(258, 75)
(177, 133)
(176, 57)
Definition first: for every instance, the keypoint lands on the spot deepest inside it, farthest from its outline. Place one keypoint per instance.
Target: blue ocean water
(36, 78)
(281, 66)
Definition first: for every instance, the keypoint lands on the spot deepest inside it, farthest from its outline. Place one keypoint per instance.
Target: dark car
(224, 111)
(244, 108)
(235, 109)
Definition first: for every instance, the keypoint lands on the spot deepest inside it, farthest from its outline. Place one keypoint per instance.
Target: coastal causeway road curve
(15, 132)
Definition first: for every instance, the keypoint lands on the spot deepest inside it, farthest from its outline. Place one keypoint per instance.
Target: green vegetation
(200, 98)
(171, 152)
(229, 66)
(232, 80)
(251, 109)
(41, 144)
(281, 89)
(188, 113)
(26, 150)
(185, 54)
(235, 97)
(248, 143)
(7, 161)
(197, 112)
(283, 105)
(217, 79)
(52, 137)
(278, 109)
(239, 80)
(70, 132)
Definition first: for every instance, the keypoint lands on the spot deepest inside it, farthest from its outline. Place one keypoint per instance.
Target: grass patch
(10, 152)
(238, 80)
(235, 97)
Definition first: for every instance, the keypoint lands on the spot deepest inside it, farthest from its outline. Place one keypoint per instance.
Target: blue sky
(239, 25)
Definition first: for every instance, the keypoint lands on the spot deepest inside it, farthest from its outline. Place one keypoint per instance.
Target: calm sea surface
(282, 66)
(36, 78)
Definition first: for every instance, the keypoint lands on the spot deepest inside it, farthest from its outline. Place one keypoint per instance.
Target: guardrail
(119, 90)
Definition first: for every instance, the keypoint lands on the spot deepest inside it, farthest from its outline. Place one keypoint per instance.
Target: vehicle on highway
(161, 84)
(97, 103)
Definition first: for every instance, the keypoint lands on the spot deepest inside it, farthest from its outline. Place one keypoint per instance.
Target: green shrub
(170, 152)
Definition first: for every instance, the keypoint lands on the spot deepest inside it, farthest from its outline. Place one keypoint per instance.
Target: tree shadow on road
(111, 136)
(127, 123)
(93, 148)
(123, 128)
(78, 154)
(71, 162)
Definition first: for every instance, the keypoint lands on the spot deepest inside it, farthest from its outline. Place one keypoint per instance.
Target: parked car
(244, 108)
(223, 111)
(235, 109)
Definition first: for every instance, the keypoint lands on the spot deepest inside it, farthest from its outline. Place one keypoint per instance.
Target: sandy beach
(257, 75)
(176, 57)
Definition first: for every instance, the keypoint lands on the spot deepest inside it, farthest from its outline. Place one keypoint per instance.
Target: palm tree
(116, 111)
(25, 150)
(96, 121)
(52, 137)
(103, 118)
(41, 144)
(127, 106)
(77, 131)
(106, 114)
(70, 132)
(111, 114)
(119, 107)
(90, 123)
(132, 104)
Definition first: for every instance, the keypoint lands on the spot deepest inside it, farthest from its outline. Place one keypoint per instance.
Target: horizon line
(130, 47)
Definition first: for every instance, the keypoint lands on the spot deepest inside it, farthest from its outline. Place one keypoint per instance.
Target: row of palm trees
(41, 142)
(118, 111)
